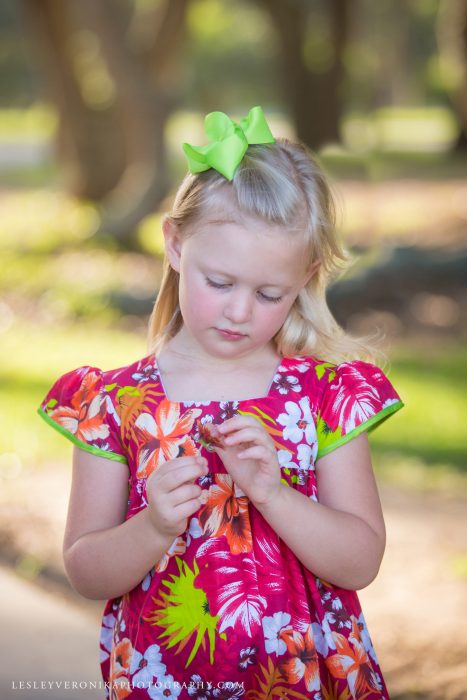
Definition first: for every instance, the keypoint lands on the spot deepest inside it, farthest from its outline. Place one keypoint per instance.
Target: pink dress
(229, 611)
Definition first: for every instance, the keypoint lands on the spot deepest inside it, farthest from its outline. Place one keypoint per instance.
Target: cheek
(197, 302)
(274, 317)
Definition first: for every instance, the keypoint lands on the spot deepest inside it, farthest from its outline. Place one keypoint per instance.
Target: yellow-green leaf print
(325, 435)
(183, 610)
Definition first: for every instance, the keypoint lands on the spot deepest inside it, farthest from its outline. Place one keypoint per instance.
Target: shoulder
(360, 379)
(350, 374)
(91, 379)
(86, 405)
(311, 373)
(139, 372)
(355, 396)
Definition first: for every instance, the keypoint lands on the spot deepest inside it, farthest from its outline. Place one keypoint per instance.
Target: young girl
(223, 498)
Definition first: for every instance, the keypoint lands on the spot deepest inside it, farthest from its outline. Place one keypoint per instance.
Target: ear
(311, 271)
(173, 242)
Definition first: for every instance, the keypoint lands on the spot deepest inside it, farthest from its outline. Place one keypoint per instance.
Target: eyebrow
(219, 222)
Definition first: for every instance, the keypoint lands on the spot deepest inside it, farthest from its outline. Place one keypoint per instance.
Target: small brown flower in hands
(209, 436)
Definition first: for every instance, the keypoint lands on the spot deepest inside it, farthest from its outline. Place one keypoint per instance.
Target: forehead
(253, 250)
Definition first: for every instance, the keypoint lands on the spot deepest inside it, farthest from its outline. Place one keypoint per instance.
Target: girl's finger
(247, 435)
(184, 510)
(236, 423)
(177, 476)
(184, 493)
(258, 452)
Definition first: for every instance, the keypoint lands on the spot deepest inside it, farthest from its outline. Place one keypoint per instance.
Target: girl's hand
(250, 457)
(173, 495)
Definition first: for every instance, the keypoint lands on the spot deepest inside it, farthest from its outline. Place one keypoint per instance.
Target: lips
(234, 334)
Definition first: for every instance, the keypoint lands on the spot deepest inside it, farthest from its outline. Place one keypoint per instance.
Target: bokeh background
(96, 97)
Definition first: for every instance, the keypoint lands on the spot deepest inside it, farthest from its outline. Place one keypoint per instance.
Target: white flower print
(284, 459)
(146, 667)
(141, 491)
(199, 688)
(247, 657)
(365, 637)
(228, 409)
(272, 626)
(298, 422)
(299, 366)
(285, 383)
(107, 631)
(322, 635)
(146, 373)
(336, 614)
(147, 581)
(111, 409)
(194, 531)
(166, 688)
(196, 403)
(305, 456)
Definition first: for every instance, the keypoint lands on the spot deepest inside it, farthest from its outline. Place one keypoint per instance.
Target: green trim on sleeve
(370, 424)
(79, 443)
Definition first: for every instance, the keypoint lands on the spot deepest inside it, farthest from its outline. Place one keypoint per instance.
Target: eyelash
(272, 300)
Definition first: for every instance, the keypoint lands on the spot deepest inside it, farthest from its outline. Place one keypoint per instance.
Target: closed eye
(274, 300)
(217, 285)
(225, 285)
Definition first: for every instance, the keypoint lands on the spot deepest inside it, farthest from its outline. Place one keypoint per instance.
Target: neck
(182, 347)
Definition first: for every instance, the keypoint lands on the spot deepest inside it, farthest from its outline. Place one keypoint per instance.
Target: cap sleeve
(80, 407)
(358, 397)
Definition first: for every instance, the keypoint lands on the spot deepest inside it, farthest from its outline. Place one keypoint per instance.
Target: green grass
(425, 444)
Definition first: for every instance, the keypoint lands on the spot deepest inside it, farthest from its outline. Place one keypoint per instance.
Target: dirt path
(415, 609)
(52, 645)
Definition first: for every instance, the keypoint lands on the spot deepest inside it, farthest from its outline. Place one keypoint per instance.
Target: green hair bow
(229, 142)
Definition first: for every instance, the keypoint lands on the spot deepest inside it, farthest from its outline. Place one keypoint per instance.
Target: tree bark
(88, 140)
(115, 156)
(452, 42)
(145, 99)
(315, 99)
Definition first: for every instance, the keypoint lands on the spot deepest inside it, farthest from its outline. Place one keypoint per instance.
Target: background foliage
(95, 100)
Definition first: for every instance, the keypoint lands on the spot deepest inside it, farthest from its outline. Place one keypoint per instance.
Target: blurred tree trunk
(115, 153)
(452, 42)
(145, 76)
(315, 99)
(89, 143)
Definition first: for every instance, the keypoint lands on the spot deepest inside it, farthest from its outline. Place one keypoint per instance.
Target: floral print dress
(228, 611)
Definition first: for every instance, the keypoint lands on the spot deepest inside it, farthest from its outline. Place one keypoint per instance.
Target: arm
(99, 550)
(340, 539)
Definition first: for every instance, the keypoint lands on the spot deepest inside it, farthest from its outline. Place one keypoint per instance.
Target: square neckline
(217, 401)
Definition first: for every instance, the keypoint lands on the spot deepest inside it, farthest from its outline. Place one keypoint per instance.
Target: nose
(238, 307)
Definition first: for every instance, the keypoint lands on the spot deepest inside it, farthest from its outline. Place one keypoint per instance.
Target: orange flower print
(85, 415)
(164, 436)
(119, 669)
(304, 662)
(226, 513)
(352, 662)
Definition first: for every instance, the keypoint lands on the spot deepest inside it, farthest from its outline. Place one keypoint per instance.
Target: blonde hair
(281, 183)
